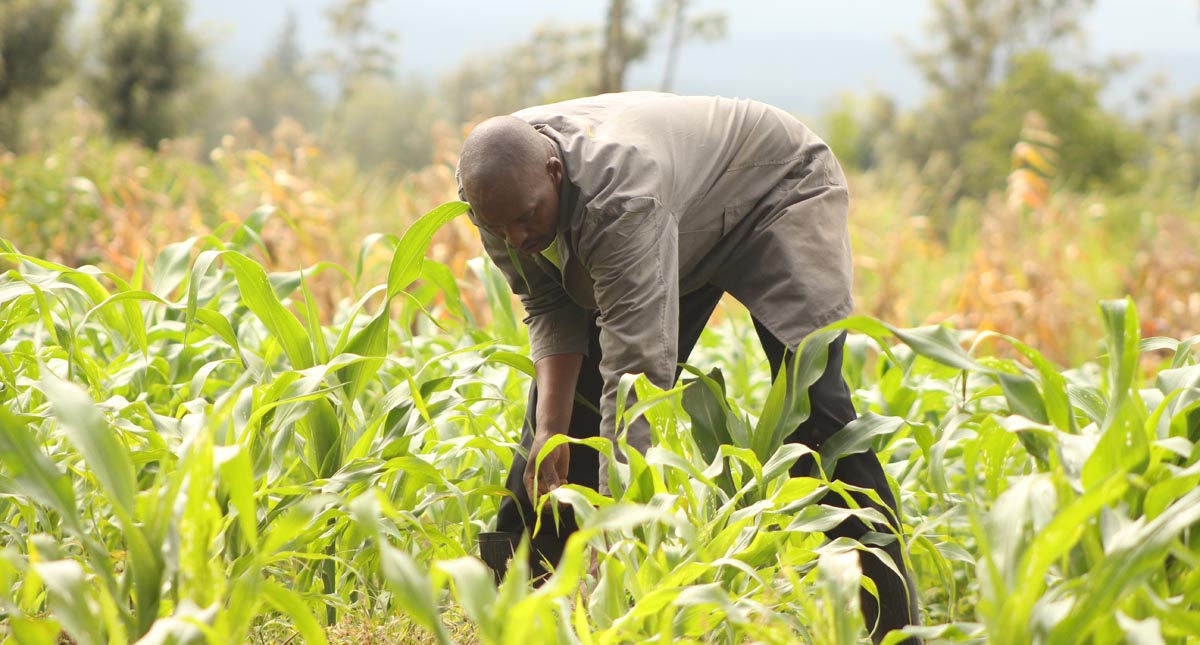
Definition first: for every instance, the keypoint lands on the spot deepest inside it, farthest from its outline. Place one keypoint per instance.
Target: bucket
(496, 548)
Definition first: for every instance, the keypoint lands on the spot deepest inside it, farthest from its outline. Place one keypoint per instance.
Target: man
(621, 220)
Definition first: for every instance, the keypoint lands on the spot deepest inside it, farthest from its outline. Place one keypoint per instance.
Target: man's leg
(831, 410)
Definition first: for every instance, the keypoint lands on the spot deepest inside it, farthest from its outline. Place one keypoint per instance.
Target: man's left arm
(633, 261)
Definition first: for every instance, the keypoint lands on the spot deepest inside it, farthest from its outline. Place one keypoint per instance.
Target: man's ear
(554, 168)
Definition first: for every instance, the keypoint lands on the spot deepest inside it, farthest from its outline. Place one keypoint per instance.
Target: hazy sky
(798, 54)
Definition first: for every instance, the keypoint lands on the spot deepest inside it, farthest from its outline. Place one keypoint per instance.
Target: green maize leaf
(136, 322)
(410, 252)
(500, 302)
(704, 401)
(1121, 323)
(858, 436)
(1088, 400)
(292, 605)
(249, 233)
(787, 404)
(951, 632)
(1050, 544)
(10, 291)
(1137, 556)
(413, 589)
(783, 459)
(101, 447)
(1023, 395)
(1185, 352)
(171, 267)
(323, 432)
(260, 298)
(839, 576)
(440, 275)
(38, 476)
(938, 343)
(389, 241)
(520, 362)
(1124, 447)
(935, 342)
(30, 631)
(475, 591)
(220, 324)
(237, 478)
(312, 317)
(1054, 392)
(821, 517)
(82, 280)
(71, 602)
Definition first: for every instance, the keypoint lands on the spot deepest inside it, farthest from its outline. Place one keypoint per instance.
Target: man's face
(523, 210)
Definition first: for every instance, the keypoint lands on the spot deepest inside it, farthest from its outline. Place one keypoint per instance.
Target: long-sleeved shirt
(661, 195)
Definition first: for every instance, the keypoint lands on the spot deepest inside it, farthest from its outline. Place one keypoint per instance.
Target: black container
(497, 549)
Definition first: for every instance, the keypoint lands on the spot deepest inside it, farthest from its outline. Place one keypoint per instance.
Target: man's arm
(556, 378)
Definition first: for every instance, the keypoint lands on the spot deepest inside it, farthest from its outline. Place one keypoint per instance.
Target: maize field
(199, 450)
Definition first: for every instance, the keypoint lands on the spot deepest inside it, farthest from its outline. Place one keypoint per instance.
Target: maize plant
(190, 454)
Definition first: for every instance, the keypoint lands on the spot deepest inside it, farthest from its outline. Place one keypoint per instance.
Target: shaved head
(510, 175)
(499, 152)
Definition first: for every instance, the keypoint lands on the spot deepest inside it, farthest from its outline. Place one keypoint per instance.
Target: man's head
(511, 175)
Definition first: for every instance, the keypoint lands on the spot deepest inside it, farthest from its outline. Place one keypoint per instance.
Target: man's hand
(553, 471)
(556, 377)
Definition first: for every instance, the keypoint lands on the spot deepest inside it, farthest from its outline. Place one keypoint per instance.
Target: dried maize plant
(1023, 278)
(1034, 165)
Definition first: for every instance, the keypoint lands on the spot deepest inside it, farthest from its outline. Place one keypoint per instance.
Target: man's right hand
(552, 472)
(556, 378)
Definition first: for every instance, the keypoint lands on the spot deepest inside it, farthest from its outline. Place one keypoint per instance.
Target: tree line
(988, 65)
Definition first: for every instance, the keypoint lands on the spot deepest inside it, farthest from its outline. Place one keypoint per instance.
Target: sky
(798, 54)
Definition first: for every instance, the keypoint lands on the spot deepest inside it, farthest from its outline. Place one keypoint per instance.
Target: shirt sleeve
(633, 261)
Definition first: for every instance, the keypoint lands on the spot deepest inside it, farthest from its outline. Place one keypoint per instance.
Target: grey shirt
(663, 194)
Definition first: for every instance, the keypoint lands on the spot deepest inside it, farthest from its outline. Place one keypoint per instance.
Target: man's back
(696, 156)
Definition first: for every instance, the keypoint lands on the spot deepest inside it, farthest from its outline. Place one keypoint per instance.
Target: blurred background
(1011, 161)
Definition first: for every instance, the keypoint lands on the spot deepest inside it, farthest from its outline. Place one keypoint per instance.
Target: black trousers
(832, 409)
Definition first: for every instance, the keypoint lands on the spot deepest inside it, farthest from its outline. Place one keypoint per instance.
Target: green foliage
(196, 458)
(860, 131)
(401, 141)
(32, 57)
(1095, 146)
(282, 86)
(969, 49)
(363, 50)
(145, 57)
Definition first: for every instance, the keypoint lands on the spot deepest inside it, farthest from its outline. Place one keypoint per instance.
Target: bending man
(621, 220)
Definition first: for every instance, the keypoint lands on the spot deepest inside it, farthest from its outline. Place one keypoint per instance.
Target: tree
(628, 39)
(707, 27)
(145, 57)
(363, 51)
(1095, 147)
(971, 48)
(282, 86)
(31, 57)
(403, 140)
(566, 61)
(556, 62)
